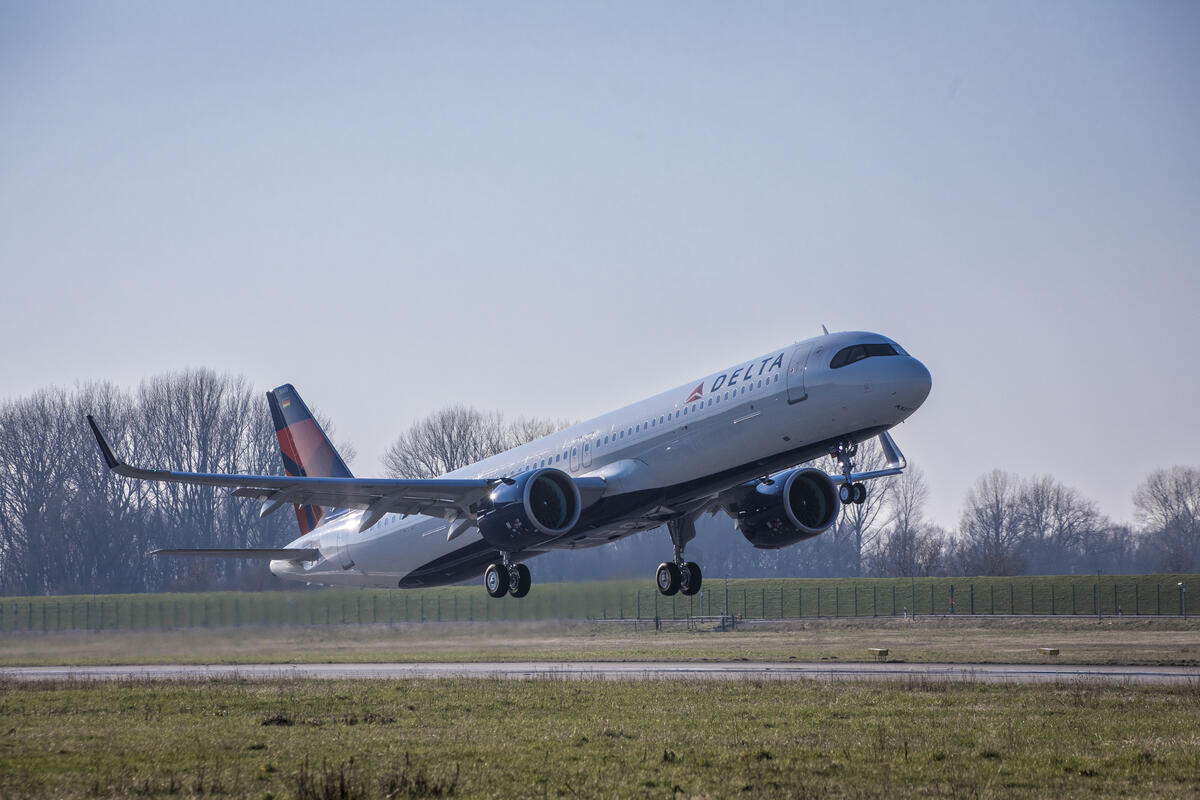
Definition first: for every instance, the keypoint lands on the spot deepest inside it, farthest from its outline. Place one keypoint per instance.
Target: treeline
(69, 526)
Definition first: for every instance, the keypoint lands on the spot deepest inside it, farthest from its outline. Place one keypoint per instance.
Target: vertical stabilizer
(307, 451)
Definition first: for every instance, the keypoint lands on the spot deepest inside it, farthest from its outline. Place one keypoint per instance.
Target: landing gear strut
(848, 492)
(507, 576)
(679, 575)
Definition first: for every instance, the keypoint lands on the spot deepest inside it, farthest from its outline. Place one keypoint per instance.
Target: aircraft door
(587, 450)
(795, 373)
(576, 447)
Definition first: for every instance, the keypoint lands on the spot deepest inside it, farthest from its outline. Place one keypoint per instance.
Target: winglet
(105, 448)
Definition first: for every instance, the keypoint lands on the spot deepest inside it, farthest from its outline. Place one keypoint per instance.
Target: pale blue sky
(556, 209)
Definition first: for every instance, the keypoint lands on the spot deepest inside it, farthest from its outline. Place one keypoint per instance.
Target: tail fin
(307, 451)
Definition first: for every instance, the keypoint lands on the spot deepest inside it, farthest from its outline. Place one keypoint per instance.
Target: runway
(639, 670)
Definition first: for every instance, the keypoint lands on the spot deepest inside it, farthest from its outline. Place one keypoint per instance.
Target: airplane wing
(378, 496)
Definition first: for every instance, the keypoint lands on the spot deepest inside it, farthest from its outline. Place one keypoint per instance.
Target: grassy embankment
(507, 738)
(1128, 595)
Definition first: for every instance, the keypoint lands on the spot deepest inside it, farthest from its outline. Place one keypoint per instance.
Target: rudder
(306, 450)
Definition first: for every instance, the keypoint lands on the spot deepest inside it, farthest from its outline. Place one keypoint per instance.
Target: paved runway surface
(729, 670)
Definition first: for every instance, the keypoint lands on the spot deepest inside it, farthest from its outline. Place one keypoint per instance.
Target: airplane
(736, 441)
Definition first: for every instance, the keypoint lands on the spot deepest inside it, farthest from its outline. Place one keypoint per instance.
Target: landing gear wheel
(860, 494)
(668, 578)
(692, 585)
(495, 579)
(846, 494)
(520, 587)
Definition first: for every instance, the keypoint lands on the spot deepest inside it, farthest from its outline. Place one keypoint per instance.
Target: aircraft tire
(846, 494)
(694, 579)
(495, 579)
(860, 494)
(524, 581)
(667, 578)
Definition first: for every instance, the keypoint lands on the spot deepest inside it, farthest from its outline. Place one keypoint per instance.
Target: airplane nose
(917, 383)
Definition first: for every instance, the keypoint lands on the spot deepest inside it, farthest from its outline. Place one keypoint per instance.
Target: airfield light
(1182, 599)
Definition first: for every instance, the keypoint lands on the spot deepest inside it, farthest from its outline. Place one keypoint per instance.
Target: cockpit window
(857, 352)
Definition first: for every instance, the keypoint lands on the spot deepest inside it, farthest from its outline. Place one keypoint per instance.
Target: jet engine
(537, 505)
(795, 505)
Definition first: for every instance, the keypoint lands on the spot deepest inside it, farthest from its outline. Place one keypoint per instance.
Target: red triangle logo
(696, 394)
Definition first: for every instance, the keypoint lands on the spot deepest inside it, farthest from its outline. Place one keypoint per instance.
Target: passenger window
(622, 434)
(660, 420)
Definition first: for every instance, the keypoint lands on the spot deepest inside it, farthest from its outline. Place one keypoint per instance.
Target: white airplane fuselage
(670, 454)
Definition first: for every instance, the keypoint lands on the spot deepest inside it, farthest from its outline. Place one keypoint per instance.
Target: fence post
(1012, 604)
(1052, 599)
(837, 600)
(781, 601)
(992, 597)
(818, 602)
(1116, 605)
(1032, 607)
(893, 599)
(931, 599)
(762, 602)
(1157, 599)
(874, 600)
(1137, 600)
(800, 601)
(1073, 611)
(856, 599)
(972, 591)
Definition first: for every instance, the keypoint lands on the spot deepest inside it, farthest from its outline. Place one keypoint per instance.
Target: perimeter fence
(742, 599)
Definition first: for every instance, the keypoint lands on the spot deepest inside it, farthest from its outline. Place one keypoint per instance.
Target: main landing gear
(848, 492)
(679, 575)
(507, 576)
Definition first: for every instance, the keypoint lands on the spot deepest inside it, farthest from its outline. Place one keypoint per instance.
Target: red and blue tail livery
(306, 450)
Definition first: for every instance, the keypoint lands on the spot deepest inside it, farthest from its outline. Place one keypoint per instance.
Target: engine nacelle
(538, 505)
(795, 506)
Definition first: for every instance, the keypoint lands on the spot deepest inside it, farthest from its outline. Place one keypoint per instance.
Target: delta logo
(743, 374)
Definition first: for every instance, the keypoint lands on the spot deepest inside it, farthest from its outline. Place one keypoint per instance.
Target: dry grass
(509, 738)
(926, 639)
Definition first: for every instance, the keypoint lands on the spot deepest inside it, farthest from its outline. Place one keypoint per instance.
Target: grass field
(508, 738)
(1127, 595)
(1123, 640)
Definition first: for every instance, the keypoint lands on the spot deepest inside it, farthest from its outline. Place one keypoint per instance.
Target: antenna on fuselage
(824, 329)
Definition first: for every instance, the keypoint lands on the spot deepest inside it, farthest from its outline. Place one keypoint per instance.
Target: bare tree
(455, 436)
(1168, 507)
(1054, 523)
(990, 530)
(909, 546)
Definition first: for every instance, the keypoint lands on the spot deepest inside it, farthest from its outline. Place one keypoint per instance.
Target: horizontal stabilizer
(259, 553)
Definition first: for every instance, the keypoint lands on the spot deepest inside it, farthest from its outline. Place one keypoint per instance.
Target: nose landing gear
(848, 492)
(679, 575)
(507, 577)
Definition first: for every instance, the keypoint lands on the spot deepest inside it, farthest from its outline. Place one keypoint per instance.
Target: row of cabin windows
(652, 423)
